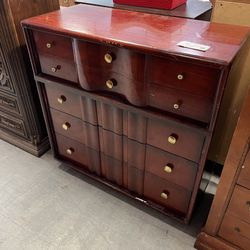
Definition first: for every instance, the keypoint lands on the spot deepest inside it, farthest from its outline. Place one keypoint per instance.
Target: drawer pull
(172, 139)
(70, 151)
(108, 58)
(237, 229)
(164, 195)
(66, 126)
(54, 69)
(49, 45)
(61, 99)
(168, 169)
(180, 77)
(110, 83)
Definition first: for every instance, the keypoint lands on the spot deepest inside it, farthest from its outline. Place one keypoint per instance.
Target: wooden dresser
(124, 104)
(21, 119)
(228, 223)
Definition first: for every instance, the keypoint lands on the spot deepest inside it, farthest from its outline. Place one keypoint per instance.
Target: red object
(158, 4)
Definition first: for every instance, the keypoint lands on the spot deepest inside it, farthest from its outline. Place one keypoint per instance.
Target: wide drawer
(191, 78)
(176, 138)
(170, 167)
(56, 55)
(71, 103)
(239, 205)
(244, 177)
(166, 193)
(78, 153)
(75, 129)
(235, 231)
(180, 102)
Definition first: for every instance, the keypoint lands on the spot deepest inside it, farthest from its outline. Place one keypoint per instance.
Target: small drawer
(183, 141)
(240, 203)
(244, 177)
(9, 103)
(197, 80)
(112, 169)
(166, 193)
(68, 102)
(74, 151)
(170, 167)
(75, 129)
(180, 103)
(235, 231)
(56, 55)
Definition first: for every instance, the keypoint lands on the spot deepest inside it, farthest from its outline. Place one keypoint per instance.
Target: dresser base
(37, 150)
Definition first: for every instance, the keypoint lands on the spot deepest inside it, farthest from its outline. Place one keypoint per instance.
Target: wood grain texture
(142, 31)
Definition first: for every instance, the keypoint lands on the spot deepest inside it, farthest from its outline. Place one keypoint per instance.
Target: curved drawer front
(75, 129)
(170, 167)
(175, 138)
(166, 193)
(56, 55)
(195, 79)
(74, 151)
(106, 68)
(180, 102)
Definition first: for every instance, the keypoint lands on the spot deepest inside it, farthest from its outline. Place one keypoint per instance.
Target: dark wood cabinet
(21, 120)
(129, 109)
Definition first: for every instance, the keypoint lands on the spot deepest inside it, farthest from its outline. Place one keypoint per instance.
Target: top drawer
(55, 55)
(194, 79)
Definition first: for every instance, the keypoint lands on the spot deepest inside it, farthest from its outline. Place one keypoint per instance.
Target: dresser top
(147, 32)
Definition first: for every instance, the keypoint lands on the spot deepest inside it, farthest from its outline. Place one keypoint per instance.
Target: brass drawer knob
(61, 99)
(70, 151)
(49, 45)
(108, 58)
(66, 126)
(110, 83)
(164, 195)
(180, 77)
(176, 106)
(54, 69)
(172, 139)
(168, 169)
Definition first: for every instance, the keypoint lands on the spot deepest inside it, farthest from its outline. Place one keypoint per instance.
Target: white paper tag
(195, 46)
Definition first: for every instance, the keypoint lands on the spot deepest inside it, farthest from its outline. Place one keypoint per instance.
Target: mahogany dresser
(228, 224)
(21, 119)
(125, 104)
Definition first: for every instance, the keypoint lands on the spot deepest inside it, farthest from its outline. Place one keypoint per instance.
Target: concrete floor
(44, 205)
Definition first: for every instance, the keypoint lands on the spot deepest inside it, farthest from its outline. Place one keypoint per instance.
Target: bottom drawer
(166, 193)
(235, 231)
(79, 153)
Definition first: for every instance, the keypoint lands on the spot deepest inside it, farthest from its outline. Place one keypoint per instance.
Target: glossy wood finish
(142, 31)
(244, 177)
(134, 143)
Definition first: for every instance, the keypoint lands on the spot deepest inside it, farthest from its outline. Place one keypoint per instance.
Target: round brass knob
(164, 195)
(70, 151)
(110, 84)
(54, 69)
(180, 77)
(48, 45)
(176, 106)
(168, 169)
(108, 58)
(61, 99)
(66, 126)
(172, 139)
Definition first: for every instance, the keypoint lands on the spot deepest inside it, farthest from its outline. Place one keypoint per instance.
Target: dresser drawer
(239, 205)
(166, 193)
(180, 102)
(194, 79)
(56, 55)
(235, 231)
(244, 177)
(176, 139)
(106, 68)
(71, 103)
(9, 103)
(79, 153)
(170, 167)
(75, 129)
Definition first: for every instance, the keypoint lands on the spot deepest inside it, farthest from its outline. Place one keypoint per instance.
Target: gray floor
(44, 205)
